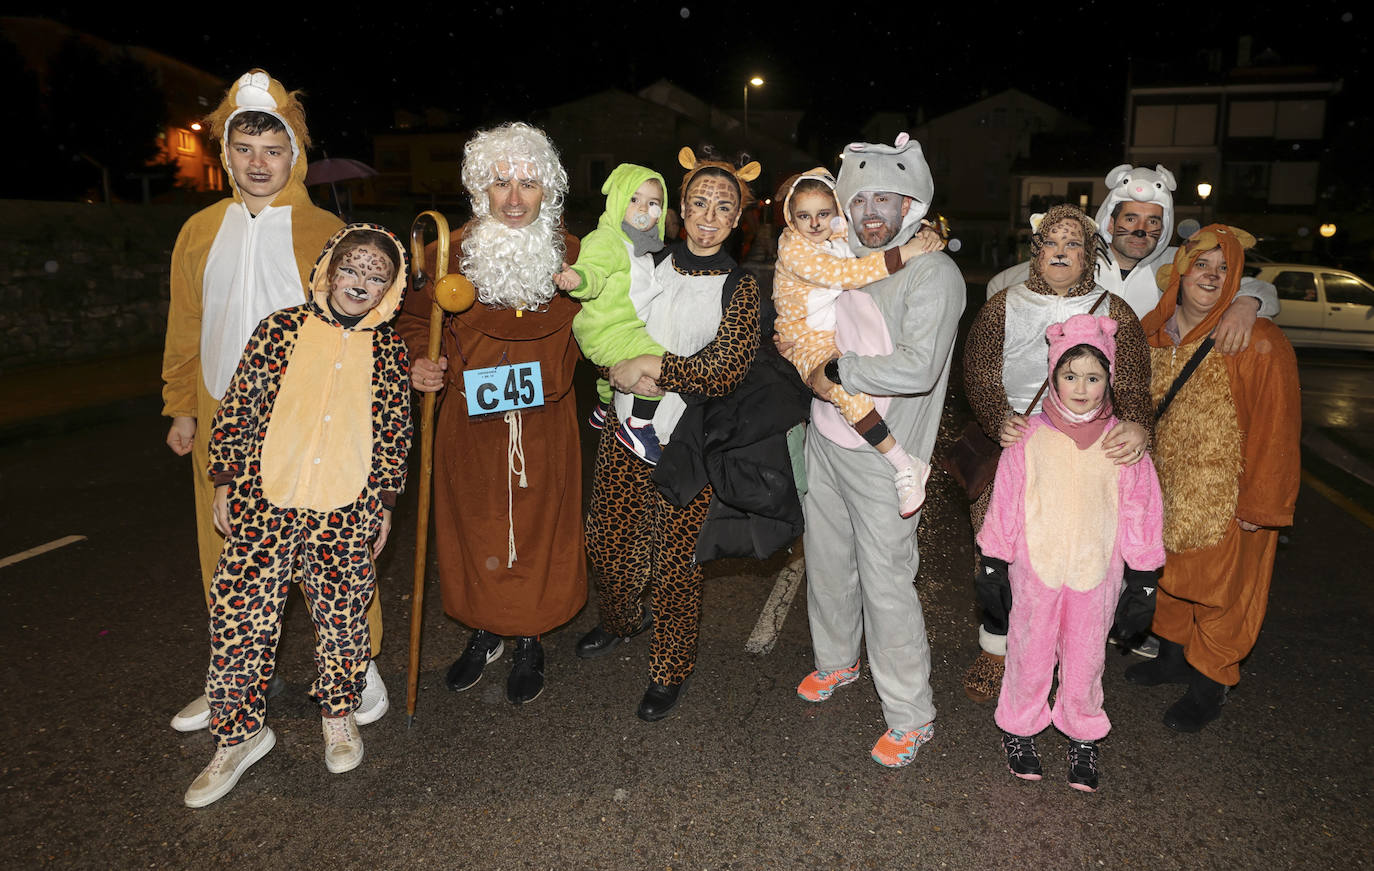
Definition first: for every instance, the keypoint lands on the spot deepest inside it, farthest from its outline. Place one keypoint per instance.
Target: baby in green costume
(612, 260)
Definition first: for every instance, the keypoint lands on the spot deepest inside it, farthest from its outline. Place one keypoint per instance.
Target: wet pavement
(104, 640)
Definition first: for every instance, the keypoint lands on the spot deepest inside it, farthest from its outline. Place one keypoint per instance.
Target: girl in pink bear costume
(1064, 527)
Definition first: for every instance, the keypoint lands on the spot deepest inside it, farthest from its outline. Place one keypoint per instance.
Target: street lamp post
(1204, 190)
(756, 81)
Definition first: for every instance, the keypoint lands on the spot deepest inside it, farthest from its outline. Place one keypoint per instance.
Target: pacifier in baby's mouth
(645, 220)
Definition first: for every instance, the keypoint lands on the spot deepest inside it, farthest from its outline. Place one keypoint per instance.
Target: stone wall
(83, 281)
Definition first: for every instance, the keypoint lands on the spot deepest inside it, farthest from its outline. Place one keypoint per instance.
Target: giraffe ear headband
(742, 176)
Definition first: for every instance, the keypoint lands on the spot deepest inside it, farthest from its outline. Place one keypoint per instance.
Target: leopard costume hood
(390, 302)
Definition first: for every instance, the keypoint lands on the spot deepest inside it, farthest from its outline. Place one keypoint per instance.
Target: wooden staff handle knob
(454, 293)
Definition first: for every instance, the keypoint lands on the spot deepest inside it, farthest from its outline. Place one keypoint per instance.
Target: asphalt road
(105, 638)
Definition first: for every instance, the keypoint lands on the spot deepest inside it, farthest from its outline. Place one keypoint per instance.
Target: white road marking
(774, 612)
(41, 549)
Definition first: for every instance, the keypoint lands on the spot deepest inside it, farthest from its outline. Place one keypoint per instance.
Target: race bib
(503, 388)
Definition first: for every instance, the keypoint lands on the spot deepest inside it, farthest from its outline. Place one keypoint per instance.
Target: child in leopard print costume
(307, 455)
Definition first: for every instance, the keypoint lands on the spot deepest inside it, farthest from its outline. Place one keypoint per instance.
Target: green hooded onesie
(608, 328)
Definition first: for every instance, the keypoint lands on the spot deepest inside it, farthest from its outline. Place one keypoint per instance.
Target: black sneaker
(467, 669)
(1083, 765)
(1022, 759)
(526, 679)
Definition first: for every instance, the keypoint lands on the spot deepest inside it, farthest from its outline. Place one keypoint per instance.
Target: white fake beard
(512, 268)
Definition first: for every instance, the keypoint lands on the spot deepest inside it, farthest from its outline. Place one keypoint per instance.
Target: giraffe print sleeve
(718, 368)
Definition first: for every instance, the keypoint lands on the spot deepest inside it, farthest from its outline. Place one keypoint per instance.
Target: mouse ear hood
(1140, 184)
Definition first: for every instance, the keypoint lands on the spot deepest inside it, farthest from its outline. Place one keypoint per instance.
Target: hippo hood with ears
(899, 168)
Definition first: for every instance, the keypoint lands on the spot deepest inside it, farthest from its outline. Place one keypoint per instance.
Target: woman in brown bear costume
(1227, 453)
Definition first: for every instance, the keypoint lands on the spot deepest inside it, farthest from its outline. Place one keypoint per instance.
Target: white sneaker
(226, 767)
(343, 746)
(911, 487)
(193, 717)
(373, 701)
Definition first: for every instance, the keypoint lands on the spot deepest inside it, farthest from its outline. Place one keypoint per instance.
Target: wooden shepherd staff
(452, 293)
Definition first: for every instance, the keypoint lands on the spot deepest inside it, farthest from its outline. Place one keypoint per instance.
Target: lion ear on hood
(1244, 237)
(1162, 276)
(687, 159)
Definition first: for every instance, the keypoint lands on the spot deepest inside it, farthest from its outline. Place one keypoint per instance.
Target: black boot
(599, 642)
(1168, 667)
(1198, 707)
(659, 700)
(526, 679)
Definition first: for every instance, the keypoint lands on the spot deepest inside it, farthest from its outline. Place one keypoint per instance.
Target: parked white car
(1321, 307)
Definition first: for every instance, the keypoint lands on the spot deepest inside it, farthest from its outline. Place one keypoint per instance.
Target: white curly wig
(513, 268)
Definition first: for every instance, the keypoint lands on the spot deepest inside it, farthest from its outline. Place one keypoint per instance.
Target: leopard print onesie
(635, 537)
(329, 552)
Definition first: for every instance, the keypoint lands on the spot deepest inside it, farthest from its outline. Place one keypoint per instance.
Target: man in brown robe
(507, 468)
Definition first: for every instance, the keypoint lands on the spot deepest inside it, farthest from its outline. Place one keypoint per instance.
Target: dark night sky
(496, 59)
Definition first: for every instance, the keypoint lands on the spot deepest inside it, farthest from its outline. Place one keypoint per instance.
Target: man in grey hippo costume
(896, 337)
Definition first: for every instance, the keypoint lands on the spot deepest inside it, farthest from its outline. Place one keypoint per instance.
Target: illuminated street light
(757, 82)
(1327, 230)
(195, 125)
(1204, 190)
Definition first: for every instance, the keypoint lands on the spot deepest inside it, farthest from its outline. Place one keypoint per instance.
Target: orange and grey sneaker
(820, 685)
(896, 749)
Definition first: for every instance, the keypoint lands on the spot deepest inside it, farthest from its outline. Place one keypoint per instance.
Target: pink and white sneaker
(911, 487)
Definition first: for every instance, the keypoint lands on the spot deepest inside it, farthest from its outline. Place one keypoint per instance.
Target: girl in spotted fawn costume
(307, 455)
(814, 267)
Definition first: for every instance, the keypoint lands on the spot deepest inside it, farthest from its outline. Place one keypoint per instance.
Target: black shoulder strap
(1188, 369)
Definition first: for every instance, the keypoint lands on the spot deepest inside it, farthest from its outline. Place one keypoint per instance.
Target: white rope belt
(515, 453)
